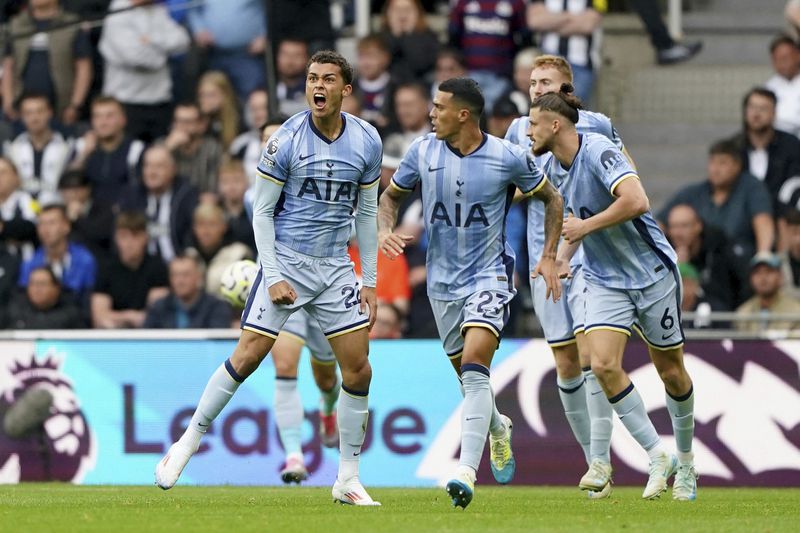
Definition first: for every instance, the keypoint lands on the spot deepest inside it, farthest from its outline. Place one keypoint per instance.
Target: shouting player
(314, 169)
(587, 411)
(468, 179)
(631, 279)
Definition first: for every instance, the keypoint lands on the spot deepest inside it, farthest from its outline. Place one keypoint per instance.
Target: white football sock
(476, 413)
(681, 412)
(573, 398)
(220, 389)
(352, 414)
(600, 415)
(289, 414)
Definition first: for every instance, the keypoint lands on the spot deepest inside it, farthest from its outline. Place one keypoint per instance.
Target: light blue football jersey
(632, 255)
(588, 122)
(465, 200)
(321, 180)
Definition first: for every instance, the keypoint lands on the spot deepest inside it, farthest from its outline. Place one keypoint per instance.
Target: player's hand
(393, 244)
(547, 269)
(562, 267)
(369, 303)
(573, 229)
(282, 293)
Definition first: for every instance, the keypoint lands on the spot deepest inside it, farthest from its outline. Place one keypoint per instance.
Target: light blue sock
(600, 414)
(352, 414)
(496, 426)
(631, 411)
(681, 411)
(476, 413)
(289, 414)
(221, 386)
(573, 398)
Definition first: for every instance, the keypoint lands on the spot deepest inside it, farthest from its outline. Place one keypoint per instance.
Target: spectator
(196, 154)
(130, 279)
(307, 20)
(187, 305)
(771, 155)
(450, 63)
(373, 84)
(39, 153)
(785, 83)
(167, 200)
(790, 259)
(233, 184)
(136, 45)
(43, 305)
(247, 146)
(233, 33)
(412, 45)
(388, 323)
(108, 157)
(667, 50)
(521, 92)
(217, 102)
(503, 114)
(71, 262)
(17, 213)
(92, 222)
(731, 200)
(56, 64)
(707, 253)
(290, 66)
(489, 33)
(411, 107)
(9, 272)
(572, 30)
(792, 14)
(766, 280)
(214, 247)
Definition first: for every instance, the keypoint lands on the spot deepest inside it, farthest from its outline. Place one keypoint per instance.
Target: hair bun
(567, 88)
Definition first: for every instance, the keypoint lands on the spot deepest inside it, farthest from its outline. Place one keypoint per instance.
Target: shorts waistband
(310, 259)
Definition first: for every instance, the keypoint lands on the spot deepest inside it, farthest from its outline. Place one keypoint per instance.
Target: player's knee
(567, 363)
(357, 375)
(285, 368)
(605, 369)
(674, 377)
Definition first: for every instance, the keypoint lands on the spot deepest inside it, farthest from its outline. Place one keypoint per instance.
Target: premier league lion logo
(44, 435)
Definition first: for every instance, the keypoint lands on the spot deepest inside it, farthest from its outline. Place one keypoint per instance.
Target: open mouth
(319, 100)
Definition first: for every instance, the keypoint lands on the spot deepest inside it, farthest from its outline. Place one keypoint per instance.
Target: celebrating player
(467, 179)
(300, 329)
(315, 168)
(588, 412)
(631, 280)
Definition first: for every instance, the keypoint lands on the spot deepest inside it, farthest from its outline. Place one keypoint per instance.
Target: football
(236, 281)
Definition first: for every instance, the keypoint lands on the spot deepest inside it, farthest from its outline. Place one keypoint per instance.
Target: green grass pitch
(116, 509)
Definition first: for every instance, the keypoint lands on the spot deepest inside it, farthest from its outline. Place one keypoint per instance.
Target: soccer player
(468, 179)
(300, 329)
(587, 411)
(315, 169)
(631, 279)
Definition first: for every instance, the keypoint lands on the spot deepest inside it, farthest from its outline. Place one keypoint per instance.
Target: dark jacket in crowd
(207, 312)
(21, 314)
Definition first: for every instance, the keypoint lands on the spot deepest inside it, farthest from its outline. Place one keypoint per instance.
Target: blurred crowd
(130, 139)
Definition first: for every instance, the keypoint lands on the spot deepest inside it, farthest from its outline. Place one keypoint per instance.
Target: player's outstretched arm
(390, 243)
(266, 197)
(631, 202)
(553, 214)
